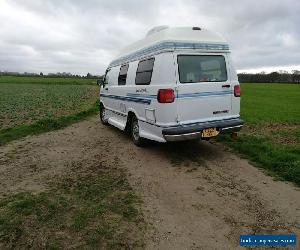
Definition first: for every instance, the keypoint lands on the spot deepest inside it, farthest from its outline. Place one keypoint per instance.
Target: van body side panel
(120, 101)
(158, 115)
(163, 78)
(115, 100)
(107, 91)
(142, 99)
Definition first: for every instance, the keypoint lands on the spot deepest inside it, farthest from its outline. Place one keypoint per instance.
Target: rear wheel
(135, 132)
(102, 115)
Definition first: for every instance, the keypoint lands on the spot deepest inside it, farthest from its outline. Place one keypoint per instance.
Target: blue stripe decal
(127, 98)
(169, 46)
(188, 95)
(204, 94)
(141, 95)
(116, 112)
(146, 99)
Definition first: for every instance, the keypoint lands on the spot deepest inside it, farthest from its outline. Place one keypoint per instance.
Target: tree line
(274, 77)
(50, 75)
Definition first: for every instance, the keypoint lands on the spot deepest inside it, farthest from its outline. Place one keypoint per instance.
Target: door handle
(226, 86)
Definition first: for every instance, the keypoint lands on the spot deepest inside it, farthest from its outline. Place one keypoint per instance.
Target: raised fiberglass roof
(166, 38)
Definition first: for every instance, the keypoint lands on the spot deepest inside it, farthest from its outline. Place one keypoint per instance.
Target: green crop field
(270, 103)
(47, 80)
(32, 106)
(271, 136)
(28, 103)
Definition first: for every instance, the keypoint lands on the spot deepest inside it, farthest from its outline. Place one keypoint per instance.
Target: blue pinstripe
(146, 99)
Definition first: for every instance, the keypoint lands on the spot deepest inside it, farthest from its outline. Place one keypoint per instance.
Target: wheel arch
(130, 114)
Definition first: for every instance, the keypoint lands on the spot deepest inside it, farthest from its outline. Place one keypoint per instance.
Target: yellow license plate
(209, 132)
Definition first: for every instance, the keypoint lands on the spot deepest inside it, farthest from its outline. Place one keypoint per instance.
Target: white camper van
(175, 84)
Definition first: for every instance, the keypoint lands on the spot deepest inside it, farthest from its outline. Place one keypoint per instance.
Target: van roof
(164, 38)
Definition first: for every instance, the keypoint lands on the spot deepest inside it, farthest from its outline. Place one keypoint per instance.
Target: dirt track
(197, 195)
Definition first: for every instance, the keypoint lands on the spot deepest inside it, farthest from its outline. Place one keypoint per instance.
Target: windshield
(202, 68)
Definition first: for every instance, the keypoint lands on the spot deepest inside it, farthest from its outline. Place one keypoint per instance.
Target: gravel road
(197, 195)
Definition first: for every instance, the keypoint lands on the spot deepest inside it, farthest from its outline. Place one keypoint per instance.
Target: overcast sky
(81, 36)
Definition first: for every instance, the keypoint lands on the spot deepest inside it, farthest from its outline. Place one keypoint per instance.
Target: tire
(135, 132)
(102, 115)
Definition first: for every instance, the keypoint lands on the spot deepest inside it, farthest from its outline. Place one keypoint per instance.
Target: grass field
(29, 103)
(88, 209)
(270, 103)
(46, 104)
(271, 136)
(46, 80)
(92, 209)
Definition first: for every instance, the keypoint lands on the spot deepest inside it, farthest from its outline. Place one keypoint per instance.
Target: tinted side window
(123, 74)
(144, 72)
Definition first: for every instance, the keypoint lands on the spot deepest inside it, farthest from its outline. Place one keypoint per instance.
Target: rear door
(204, 90)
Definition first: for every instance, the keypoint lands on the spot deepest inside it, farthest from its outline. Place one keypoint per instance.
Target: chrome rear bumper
(193, 131)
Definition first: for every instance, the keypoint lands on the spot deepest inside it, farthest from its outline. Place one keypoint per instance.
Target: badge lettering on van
(143, 90)
(220, 112)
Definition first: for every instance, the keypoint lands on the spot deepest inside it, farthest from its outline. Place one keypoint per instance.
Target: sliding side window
(123, 74)
(144, 72)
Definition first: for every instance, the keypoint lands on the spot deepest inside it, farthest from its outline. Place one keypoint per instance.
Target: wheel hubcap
(102, 113)
(135, 130)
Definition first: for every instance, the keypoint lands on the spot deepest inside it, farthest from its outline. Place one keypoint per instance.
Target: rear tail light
(165, 96)
(237, 90)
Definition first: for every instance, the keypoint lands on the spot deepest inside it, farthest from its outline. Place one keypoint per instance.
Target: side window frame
(145, 71)
(120, 81)
(105, 76)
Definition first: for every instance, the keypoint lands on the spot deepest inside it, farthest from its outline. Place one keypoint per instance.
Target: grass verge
(10, 134)
(271, 135)
(281, 161)
(91, 209)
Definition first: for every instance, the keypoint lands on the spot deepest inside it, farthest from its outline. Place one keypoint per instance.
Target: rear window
(144, 72)
(200, 68)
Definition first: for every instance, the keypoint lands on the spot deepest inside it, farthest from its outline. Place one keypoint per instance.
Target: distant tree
(88, 75)
(274, 77)
(41, 74)
(296, 76)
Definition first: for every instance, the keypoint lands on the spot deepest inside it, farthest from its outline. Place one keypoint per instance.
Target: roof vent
(196, 28)
(157, 29)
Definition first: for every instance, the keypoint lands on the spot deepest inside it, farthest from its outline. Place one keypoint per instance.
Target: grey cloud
(83, 36)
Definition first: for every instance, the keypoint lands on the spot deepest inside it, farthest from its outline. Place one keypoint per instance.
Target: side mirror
(100, 82)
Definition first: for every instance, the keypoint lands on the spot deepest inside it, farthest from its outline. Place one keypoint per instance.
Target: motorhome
(178, 83)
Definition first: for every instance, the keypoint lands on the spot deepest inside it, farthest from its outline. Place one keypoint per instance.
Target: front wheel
(102, 115)
(135, 132)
